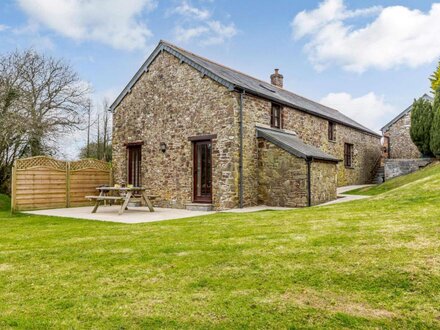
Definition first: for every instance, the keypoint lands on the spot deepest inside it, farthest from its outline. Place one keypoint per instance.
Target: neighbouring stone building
(397, 139)
(194, 131)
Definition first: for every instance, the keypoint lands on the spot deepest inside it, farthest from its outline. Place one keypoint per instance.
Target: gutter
(240, 164)
(309, 175)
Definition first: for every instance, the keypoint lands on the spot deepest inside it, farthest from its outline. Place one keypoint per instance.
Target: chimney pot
(276, 79)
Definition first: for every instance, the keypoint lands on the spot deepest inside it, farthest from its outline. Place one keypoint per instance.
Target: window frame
(331, 134)
(348, 155)
(276, 120)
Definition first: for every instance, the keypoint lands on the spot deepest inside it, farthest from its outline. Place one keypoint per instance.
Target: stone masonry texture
(397, 167)
(314, 131)
(170, 103)
(323, 181)
(401, 145)
(282, 177)
(173, 101)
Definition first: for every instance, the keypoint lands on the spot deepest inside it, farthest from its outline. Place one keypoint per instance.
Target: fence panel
(85, 175)
(42, 182)
(38, 183)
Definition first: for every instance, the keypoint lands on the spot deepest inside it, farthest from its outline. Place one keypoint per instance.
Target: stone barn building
(397, 139)
(194, 132)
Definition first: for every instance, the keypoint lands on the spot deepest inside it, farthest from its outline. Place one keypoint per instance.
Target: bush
(435, 128)
(421, 122)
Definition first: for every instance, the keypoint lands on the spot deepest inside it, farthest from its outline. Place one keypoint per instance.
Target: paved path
(141, 214)
(342, 198)
(137, 214)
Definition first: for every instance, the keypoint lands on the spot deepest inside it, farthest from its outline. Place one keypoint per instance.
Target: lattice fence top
(89, 163)
(40, 161)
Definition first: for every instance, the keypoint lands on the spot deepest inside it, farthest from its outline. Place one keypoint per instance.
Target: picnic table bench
(125, 195)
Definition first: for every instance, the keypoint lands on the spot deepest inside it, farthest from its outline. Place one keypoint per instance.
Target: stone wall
(282, 177)
(323, 179)
(397, 167)
(400, 143)
(173, 101)
(170, 103)
(314, 131)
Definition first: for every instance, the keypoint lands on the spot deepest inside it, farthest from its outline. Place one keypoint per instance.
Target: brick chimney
(276, 79)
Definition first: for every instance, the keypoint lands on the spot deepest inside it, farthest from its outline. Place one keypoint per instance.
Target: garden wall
(397, 167)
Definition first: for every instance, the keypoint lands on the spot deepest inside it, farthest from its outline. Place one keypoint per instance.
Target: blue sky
(369, 59)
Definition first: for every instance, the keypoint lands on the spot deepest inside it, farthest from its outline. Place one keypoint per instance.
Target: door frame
(196, 199)
(130, 148)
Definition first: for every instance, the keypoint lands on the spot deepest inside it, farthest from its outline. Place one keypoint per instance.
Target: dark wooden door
(134, 165)
(202, 172)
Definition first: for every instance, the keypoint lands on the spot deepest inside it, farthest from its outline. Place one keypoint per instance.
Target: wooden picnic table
(126, 194)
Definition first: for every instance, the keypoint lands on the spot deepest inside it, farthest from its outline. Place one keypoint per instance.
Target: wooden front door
(134, 165)
(202, 172)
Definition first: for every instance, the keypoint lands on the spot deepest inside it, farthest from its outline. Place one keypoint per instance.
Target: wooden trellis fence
(43, 182)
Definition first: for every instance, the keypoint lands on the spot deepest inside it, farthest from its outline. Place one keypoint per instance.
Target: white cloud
(396, 36)
(307, 22)
(186, 34)
(196, 23)
(219, 33)
(3, 27)
(115, 23)
(369, 110)
(185, 9)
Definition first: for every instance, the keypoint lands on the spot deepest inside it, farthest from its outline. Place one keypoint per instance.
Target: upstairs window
(348, 155)
(275, 116)
(331, 131)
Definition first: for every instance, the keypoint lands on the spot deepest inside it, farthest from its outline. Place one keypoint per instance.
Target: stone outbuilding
(194, 132)
(397, 139)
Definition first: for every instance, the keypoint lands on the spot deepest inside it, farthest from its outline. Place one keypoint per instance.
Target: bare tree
(89, 109)
(100, 146)
(105, 129)
(40, 97)
(51, 95)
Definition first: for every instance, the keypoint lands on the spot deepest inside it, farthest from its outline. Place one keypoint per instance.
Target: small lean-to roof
(293, 144)
(403, 113)
(235, 80)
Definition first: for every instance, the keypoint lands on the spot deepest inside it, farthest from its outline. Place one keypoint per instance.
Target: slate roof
(293, 144)
(235, 80)
(403, 113)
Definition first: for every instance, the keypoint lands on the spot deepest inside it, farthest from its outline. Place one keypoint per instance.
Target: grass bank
(373, 263)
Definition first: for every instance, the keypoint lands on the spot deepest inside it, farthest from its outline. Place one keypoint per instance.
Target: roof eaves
(400, 115)
(262, 134)
(144, 68)
(198, 67)
(270, 138)
(403, 113)
(294, 106)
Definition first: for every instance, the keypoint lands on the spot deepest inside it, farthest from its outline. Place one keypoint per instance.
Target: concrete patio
(141, 214)
(138, 214)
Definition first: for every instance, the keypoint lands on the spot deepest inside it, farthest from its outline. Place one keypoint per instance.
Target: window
(275, 116)
(348, 155)
(331, 131)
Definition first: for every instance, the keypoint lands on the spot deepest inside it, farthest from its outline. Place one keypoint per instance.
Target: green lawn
(396, 182)
(373, 263)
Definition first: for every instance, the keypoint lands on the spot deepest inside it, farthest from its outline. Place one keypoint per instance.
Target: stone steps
(379, 177)
(199, 207)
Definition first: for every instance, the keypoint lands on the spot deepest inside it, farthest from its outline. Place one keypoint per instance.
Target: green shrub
(435, 128)
(421, 121)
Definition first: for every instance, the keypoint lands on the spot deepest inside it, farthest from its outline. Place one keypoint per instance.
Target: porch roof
(293, 144)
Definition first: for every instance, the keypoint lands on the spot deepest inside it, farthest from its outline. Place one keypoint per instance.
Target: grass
(372, 263)
(396, 182)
